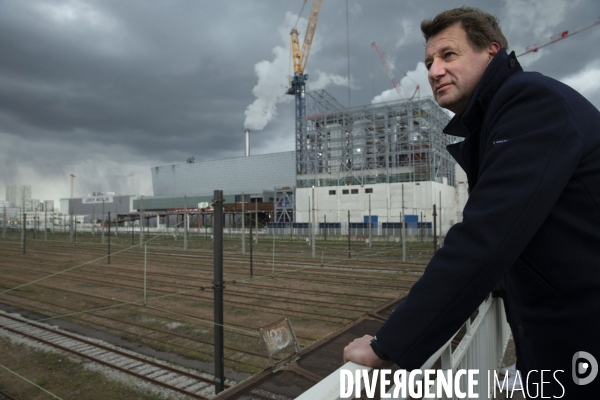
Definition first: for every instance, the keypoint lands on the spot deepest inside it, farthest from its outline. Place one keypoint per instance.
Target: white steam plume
(408, 85)
(273, 77)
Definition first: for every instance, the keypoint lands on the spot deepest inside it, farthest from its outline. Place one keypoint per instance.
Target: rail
(481, 348)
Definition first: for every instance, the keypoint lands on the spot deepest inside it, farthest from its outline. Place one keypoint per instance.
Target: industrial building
(190, 187)
(19, 196)
(387, 160)
(252, 175)
(97, 204)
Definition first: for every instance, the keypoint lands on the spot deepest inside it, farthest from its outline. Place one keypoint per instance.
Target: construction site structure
(399, 141)
(284, 205)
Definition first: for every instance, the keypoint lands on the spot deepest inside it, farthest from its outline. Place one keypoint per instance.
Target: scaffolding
(399, 141)
(283, 205)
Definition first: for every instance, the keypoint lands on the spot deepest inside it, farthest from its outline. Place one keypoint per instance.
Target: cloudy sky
(108, 89)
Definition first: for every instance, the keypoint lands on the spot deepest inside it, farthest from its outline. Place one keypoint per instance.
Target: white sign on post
(279, 336)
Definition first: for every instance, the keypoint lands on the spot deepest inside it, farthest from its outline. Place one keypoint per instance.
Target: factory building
(96, 204)
(19, 196)
(250, 175)
(387, 160)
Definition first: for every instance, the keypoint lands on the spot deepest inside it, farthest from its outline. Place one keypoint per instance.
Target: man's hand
(360, 352)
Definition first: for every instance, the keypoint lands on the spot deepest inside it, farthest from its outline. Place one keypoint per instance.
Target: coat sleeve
(531, 151)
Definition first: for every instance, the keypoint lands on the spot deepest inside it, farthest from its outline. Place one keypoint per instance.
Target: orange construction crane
(298, 83)
(300, 57)
(553, 39)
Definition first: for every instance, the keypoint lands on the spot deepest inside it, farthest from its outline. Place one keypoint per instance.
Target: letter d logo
(581, 368)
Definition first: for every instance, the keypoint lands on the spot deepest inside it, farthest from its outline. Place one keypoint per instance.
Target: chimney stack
(247, 132)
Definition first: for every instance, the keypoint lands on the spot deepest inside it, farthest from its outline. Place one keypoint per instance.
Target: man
(532, 157)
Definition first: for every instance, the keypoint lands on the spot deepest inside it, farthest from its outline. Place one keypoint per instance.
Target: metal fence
(360, 229)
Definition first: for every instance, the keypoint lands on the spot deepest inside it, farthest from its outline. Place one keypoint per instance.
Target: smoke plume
(273, 77)
(408, 83)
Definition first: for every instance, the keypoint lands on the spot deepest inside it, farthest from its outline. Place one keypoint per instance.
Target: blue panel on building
(411, 221)
(374, 219)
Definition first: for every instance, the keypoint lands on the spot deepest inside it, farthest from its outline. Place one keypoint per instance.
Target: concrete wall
(237, 175)
(386, 202)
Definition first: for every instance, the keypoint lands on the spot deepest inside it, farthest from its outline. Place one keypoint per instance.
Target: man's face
(455, 68)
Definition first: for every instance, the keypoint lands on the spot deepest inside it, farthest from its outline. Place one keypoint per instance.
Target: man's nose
(436, 70)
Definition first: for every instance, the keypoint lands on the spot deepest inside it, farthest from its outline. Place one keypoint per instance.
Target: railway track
(192, 384)
(193, 260)
(320, 297)
(382, 259)
(164, 283)
(282, 308)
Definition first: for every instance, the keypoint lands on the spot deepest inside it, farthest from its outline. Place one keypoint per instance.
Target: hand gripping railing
(481, 348)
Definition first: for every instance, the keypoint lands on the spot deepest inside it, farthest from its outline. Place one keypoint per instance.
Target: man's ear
(493, 49)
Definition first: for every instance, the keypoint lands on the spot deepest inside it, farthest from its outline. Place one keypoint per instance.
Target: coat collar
(501, 67)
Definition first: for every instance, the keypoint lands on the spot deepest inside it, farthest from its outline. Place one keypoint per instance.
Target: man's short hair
(482, 28)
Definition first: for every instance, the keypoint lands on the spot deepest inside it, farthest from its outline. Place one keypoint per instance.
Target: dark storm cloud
(111, 88)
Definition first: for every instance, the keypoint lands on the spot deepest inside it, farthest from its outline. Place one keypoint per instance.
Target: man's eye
(428, 66)
(448, 54)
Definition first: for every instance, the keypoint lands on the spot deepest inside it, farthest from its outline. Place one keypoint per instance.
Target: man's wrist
(377, 350)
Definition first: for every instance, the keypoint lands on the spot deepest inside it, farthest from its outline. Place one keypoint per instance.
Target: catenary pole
(4, 223)
(435, 247)
(349, 248)
(312, 225)
(103, 222)
(71, 232)
(24, 231)
(218, 287)
(145, 258)
(440, 216)
(141, 224)
(403, 221)
(422, 226)
(370, 223)
(243, 224)
(131, 227)
(108, 261)
(185, 224)
(251, 272)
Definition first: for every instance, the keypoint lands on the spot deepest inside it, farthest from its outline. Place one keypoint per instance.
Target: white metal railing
(481, 348)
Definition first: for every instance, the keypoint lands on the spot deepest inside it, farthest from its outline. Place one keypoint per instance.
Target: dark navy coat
(532, 157)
